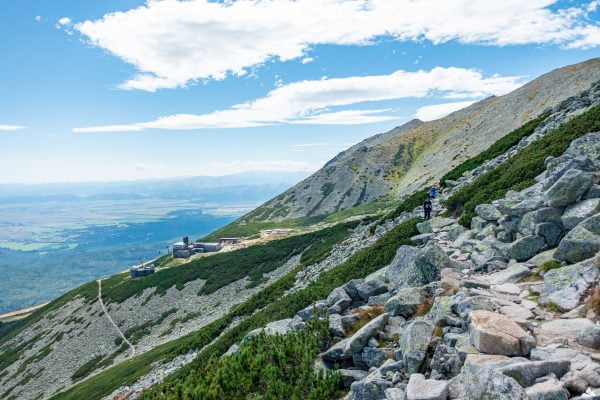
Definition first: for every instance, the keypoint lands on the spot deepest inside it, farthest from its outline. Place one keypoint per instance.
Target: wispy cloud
(311, 102)
(11, 127)
(436, 111)
(173, 43)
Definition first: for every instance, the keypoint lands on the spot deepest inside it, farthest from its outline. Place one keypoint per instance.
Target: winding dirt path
(111, 320)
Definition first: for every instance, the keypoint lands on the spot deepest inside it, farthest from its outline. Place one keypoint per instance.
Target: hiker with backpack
(427, 208)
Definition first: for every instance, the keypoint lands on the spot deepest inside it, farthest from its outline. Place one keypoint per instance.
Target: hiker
(427, 207)
(433, 192)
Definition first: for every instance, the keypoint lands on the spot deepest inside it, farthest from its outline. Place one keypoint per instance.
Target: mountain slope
(409, 157)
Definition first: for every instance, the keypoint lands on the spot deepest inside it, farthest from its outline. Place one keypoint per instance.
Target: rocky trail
(105, 311)
(507, 309)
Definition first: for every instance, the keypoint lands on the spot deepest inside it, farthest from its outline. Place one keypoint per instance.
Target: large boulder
(586, 146)
(581, 242)
(434, 223)
(568, 188)
(565, 287)
(557, 167)
(518, 207)
(577, 212)
(489, 212)
(414, 341)
(339, 296)
(552, 232)
(550, 389)
(410, 269)
(436, 256)
(531, 219)
(477, 383)
(494, 333)
(406, 302)
(575, 331)
(524, 248)
(369, 389)
(526, 373)
(371, 287)
(360, 339)
(419, 388)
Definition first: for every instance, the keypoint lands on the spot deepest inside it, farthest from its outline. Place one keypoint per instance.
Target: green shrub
(266, 367)
(548, 265)
(520, 170)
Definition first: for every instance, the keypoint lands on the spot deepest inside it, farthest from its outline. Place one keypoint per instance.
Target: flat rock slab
(511, 274)
(420, 388)
(494, 333)
(569, 329)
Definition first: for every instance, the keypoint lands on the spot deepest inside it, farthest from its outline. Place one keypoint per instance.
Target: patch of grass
(548, 265)
(553, 308)
(87, 368)
(423, 308)
(500, 147)
(520, 170)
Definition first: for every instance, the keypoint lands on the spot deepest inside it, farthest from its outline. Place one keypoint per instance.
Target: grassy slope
(275, 307)
(520, 170)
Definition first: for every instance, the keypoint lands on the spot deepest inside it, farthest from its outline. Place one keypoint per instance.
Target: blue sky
(111, 90)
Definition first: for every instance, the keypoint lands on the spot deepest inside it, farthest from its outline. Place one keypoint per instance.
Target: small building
(184, 249)
(229, 241)
(141, 270)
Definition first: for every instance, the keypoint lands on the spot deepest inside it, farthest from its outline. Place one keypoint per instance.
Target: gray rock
(405, 302)
(409, 269)
(351, 375)
(434, 223)
(592, 193)
(436, 256)
(589, 336)
(455, 231)
(446, 361)
(339, 296)
(557, 167)
(359, 340)
(374, 356)
(351, 288)
(478, 223)
(587, 146)
(336, 328)
(414, 341)
(565, 329)
(420, 388)
(463, 308)
(547, 390)
(524, 248)
(379, 299)
(280, 327)
(577, 212)
(581, 242)
(512, 274)
(526, 373)
(391, 366)
(533, 218)
(477, 383)
(371, 287)
(552, 232)
(566, 286)
(496, 334)
(422, 238)
(520, 207)
(394, 394)
(369, 389)
(568, 188)
(337, 352)
(488, 212)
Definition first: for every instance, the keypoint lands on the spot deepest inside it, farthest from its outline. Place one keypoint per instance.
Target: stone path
(131, 346)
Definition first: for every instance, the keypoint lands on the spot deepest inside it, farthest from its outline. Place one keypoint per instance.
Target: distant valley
(74, 233)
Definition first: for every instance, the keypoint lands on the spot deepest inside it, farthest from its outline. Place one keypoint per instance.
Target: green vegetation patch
(519, 171)
(267, 367)
(498, 148)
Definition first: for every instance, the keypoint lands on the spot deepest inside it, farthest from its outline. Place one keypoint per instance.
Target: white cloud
(307, 60)
(310, 102)
(436, 111)
(38, 18)
(11, 127)
(174, 43)
(64, 21)
(148, 167)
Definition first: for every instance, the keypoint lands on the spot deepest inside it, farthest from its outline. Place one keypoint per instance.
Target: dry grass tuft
(365, 314)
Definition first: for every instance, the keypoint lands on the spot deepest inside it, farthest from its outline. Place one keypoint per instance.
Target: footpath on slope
(131, 346)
